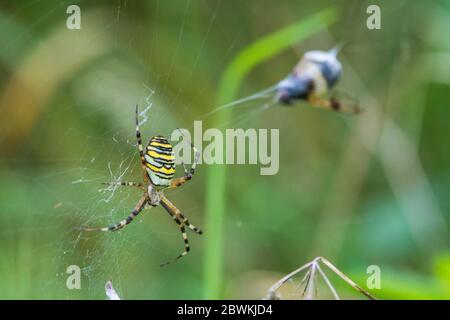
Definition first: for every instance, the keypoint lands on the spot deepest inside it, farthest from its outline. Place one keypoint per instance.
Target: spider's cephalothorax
(158, 167)
(160, 161)
(155, 195)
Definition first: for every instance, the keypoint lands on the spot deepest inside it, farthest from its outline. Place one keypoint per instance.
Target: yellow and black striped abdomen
(160, 161)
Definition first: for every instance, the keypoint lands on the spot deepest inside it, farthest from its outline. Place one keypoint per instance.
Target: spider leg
(333, 104)
(187, 174)
(175, 213)
(186, 222)
(125, 184)
(139, 206)
(186, 244)
(181, 221)
(140, 146)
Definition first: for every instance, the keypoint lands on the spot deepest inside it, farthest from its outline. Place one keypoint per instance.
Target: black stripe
(163, 161)
(167, 165)
(159, 139)
(163, 175)
(157, 172)
(167, 151)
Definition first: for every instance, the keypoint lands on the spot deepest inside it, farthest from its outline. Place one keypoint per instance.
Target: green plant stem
(256, 53)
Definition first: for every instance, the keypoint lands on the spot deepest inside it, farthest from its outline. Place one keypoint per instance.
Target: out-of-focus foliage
(360, 191)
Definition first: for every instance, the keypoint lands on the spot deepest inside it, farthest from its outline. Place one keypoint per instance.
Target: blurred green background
(365, 190)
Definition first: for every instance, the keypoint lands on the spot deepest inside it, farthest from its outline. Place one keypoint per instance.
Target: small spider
(312, 78)
(158, 168)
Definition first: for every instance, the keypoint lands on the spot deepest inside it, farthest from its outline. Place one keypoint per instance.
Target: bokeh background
(366, 190)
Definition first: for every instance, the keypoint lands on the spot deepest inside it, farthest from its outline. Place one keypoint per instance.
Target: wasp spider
(158, 168)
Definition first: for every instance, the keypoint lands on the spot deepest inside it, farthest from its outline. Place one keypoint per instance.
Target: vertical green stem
(231, 80)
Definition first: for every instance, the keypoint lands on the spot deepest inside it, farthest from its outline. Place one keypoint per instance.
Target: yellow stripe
(158, 144)
(162, 169)
(156, 155)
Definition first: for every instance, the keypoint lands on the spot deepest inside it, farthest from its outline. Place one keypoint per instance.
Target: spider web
(74, 183)
(104, 97)
(100, 255)
(80, 199)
